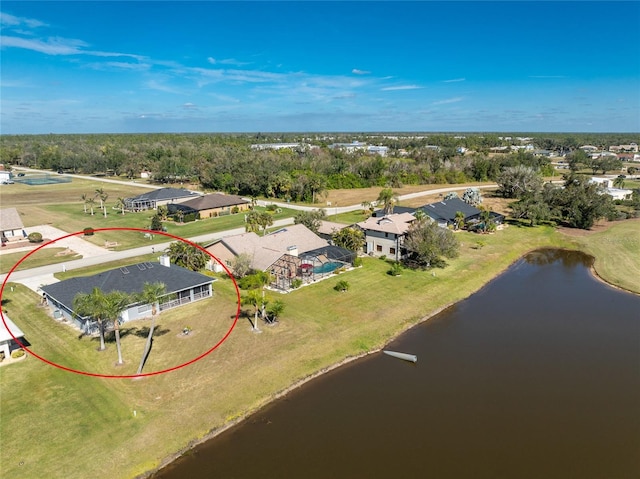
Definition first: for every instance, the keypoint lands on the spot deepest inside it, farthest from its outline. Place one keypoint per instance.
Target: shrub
(156, 223)
(235, 210)
(383, 257)
(88, 231)
(357, 262)
(35, 237)
(18, 353)
(296, 283)
(272, 208)
(396, 269)
(342, 286)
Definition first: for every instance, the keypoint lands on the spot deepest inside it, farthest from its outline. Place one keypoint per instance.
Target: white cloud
(13, 21)
(226, 61)
(355, 71)
(454, 80)
(448, 100)
(58, 46)
(401, 87)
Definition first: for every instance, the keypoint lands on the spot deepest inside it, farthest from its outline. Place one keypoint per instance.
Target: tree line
(228, 163)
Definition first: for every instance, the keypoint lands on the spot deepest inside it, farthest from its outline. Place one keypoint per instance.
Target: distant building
(630, 148)
(208, 206)
(160, 197)
(11, 227)
(276, 146)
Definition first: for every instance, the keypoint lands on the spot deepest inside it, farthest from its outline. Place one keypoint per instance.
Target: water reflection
(535, 376)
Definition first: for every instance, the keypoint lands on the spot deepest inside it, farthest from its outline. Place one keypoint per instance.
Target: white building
(7, 343)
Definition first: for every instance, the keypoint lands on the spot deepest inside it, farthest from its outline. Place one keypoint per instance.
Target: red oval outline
(113, 376)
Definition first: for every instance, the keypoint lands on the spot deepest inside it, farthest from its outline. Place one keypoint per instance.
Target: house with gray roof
(150, 200)
(183, 286)
(11, 227)
(208, 206)
(444, 213)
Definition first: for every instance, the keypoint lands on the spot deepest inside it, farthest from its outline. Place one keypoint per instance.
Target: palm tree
(253, 298)
(388, 199)
(619, 182)
(420, 215)
(275, 309)
(90, 201)
(91, 305)
(252, 221)
(187, 255)
(100, 194)
(367, 207)
(459, 220)
(151, 294)
(114, 304)
(120, 205)
(84, 203)
(265, 220)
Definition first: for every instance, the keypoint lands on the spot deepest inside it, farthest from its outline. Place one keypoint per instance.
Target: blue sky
(125, 67)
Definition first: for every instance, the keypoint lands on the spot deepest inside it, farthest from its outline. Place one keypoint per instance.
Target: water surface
(535, 376)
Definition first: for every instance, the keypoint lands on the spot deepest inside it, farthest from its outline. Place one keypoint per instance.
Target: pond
(537, 375)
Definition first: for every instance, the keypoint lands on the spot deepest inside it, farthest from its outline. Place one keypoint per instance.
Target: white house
(11, 226)
(183, 286)
(7, 343)
(384, 236)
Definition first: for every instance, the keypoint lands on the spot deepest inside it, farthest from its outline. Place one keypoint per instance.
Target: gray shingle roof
(446, 210)
(212, 201)
(129, 279)
(165, 194)
(10, 220)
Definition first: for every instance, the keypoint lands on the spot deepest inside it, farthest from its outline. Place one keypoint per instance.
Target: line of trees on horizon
(228, 163)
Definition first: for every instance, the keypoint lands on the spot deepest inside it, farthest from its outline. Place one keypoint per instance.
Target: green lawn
(349, 217)
(41, 257)
(57, 423)
(71, 218)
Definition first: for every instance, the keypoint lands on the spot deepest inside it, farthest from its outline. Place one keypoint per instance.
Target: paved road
(345, 209)
(42, 275)
(93, 255)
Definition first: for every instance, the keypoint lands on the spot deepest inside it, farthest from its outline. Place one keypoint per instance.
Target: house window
(392, 251)
(386, 235)
(379, 248)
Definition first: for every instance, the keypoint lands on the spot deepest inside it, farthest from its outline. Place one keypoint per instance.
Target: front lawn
(42, 257)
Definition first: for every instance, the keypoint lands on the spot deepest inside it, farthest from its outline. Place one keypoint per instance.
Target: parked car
(20, 174)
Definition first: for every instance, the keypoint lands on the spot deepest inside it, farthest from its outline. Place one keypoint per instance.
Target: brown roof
(394, 223)
(265, 250)
(10, 220)
(216, 200)
(329, 227)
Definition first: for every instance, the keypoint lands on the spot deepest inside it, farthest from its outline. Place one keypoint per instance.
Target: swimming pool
(327, 267)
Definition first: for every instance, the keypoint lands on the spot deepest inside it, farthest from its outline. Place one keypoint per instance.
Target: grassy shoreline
(178, 410)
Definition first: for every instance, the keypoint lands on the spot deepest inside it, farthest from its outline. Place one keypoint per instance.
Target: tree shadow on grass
(110, 336)
(144, 331)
